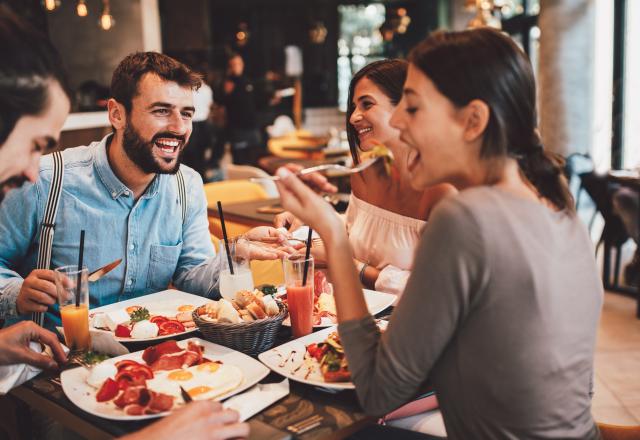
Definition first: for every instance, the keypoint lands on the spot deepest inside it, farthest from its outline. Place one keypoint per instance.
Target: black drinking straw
(306, 258)
(224, 236)
(79, 279)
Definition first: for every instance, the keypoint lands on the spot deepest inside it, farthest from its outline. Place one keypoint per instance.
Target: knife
(185, 396)
(97, 274)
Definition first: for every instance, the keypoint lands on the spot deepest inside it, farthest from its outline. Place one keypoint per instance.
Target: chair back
(616, 432)
(231, 191)
(243, 172)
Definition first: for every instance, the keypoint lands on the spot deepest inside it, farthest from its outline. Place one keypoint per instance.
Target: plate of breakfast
(149, 383)
(324, 306)
(317, 359)
(148, 318)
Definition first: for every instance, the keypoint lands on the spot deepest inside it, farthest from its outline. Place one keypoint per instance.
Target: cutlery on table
(330, 169)
(99, 273)
(306, 425)
(185, 396)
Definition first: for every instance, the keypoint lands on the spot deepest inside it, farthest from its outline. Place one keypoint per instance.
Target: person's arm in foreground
(388, 369)
(197, 420)
(14, 346)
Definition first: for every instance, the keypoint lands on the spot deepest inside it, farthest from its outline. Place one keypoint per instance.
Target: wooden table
(246, 213)
(341, 412)
(630, 179)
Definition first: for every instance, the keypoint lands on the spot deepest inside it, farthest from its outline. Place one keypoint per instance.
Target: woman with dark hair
(501, 309)
(386, 215)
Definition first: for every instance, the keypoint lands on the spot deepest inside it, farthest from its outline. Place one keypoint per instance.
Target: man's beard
(141, 152)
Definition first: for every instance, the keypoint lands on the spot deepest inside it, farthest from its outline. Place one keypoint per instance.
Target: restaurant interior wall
(270, 25)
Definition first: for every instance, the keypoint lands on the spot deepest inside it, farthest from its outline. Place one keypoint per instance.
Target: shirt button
(129, 282)
(132, 246)
(113, 194)
(126, 193)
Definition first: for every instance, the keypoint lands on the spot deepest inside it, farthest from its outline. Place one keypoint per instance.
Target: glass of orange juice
(299, 295)
(73, 299)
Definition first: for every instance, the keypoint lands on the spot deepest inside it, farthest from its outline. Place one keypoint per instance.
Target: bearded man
(125, 193)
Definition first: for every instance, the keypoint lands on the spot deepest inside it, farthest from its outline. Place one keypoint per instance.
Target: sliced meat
(160, 402)
(132, 395)
(152, 353)
(134, 409)
(168, 362)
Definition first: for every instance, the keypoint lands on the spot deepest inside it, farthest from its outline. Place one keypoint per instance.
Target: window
(359, 44)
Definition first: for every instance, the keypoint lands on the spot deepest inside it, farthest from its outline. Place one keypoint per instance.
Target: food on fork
(379, 151)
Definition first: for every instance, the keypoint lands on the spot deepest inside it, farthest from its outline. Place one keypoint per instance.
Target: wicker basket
(251, 338)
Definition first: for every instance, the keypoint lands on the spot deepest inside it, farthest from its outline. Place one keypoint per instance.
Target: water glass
(242, 278)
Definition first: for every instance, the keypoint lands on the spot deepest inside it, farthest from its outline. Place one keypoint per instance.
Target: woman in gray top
(501, 309)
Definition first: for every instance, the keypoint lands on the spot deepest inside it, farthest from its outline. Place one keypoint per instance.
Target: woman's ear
(117, 115)
(476, 119)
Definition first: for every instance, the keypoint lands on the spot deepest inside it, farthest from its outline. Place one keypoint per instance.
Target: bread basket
(251, 338)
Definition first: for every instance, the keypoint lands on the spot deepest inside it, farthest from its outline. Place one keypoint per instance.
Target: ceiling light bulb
(106, 21)
(81, 8)
(50, 5)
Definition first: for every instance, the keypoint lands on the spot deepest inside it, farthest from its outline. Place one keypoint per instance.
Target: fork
(331, 169)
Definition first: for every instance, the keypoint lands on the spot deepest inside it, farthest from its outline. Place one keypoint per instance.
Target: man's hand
(316, 181)
(14, 346)
(38, 292)
(266, 234)
(197, 420)
(288, 221)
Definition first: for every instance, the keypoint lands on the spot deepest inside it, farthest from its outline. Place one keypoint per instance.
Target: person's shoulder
(72, 157)
(191, 176)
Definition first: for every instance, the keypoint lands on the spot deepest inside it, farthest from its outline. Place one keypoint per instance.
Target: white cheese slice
(112, 319)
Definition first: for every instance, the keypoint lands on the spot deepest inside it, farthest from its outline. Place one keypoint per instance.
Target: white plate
(163, 303)
(376, 302)
(82, 395)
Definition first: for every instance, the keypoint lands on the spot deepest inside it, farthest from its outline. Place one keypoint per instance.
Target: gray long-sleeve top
(500, 313)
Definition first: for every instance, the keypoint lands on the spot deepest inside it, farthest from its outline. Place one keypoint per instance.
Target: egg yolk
(194, 392)
(210, 367)
(185, 308)
(180, 375)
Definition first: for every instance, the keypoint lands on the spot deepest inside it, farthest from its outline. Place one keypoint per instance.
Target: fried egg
(186, 308)
(203, 382)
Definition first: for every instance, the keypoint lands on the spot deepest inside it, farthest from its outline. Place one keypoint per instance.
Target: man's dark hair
(124, 83)
(28, 65)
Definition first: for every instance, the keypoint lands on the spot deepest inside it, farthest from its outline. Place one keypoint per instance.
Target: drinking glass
(74, 305)
(242, 278)
(299, 295)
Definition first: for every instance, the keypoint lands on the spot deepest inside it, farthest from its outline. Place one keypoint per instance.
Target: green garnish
(93, 357)
(269, 289)
(139, 315)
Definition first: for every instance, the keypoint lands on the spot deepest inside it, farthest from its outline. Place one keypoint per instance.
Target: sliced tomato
(159, 320)
(170, 327)
(122, 331)
(108, 390)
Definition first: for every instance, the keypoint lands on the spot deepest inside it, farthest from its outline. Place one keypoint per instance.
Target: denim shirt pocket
(163, 261)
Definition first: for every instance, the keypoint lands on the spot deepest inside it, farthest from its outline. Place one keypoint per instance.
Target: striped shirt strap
(48, 225)
(182, 194)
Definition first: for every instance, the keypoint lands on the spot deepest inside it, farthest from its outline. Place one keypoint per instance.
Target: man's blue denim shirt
(148, 234)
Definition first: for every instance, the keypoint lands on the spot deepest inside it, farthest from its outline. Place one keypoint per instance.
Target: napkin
(257, 398)
(15, 375)
(103, 341)
(302, 233)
